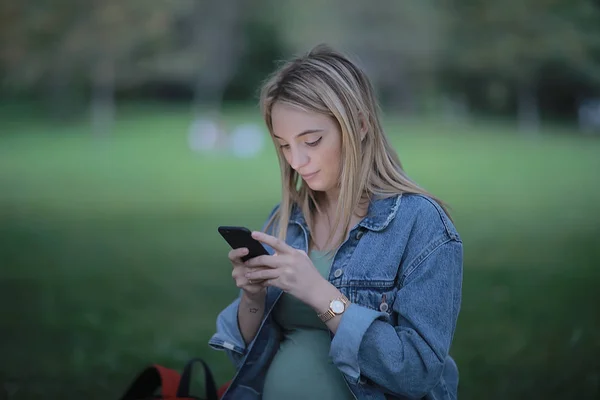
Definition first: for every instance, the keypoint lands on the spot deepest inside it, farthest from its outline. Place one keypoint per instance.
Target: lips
(308, 176)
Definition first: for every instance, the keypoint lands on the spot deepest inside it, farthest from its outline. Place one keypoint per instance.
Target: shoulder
(421, 228)
(274, 210)
(272, 222)
(425, 216)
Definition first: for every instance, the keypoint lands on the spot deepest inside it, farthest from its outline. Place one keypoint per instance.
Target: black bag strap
(149, 380)
(186, 376)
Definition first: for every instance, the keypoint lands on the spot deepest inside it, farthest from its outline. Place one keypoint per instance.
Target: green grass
(110, 259)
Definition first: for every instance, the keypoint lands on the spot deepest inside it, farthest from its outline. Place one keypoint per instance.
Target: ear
(364, 126)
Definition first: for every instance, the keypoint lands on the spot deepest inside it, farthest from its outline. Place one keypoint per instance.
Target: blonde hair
(327, 82)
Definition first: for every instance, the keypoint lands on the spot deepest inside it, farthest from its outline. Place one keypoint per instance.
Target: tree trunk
(60, 94)
(218, 42)
(103, 97)
(208, 96)
(528, 111)
(401, 96)
(217, 46)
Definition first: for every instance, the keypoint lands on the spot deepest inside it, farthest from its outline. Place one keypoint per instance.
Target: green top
(301, 368)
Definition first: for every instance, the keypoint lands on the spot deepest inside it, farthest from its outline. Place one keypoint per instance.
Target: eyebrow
(306, 132)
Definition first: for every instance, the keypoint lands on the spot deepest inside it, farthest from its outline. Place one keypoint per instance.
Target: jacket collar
(381, 211)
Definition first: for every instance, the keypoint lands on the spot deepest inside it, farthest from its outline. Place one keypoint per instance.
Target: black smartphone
(238, 236)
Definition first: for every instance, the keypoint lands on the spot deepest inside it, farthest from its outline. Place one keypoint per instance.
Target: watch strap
(329, 314)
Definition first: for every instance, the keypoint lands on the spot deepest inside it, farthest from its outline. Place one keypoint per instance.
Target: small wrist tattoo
(253, 310)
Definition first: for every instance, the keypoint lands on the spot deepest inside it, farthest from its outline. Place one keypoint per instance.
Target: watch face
(337, 306)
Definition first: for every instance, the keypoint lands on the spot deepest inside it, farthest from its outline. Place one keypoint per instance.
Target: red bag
(172, 385)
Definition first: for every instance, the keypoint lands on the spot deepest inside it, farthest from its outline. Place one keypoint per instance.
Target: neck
(330, 200)
(325, 220)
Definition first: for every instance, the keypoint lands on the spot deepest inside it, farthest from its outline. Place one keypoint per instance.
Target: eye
(284, 146)
(316, 142)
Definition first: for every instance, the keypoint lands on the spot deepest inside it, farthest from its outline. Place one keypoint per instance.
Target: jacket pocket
(376, 295)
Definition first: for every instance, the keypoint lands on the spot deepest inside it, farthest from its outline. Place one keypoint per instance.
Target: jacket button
(359, 234)
(338, 272)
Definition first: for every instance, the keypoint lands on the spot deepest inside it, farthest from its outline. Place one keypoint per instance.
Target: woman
(360, 293)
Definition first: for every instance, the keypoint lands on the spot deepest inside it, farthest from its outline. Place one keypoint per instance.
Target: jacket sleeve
(228, 336)
(407, 359)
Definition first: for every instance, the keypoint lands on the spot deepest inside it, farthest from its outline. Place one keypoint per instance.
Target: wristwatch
(336, 307)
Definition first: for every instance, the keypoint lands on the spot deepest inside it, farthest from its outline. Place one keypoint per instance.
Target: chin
(318, 186)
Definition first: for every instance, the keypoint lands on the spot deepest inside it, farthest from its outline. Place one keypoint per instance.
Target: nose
(298, 158)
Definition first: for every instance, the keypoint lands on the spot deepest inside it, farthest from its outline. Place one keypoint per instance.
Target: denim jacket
(401, 268)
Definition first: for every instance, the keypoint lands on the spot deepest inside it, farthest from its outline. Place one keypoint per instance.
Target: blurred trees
(59, 48)
(511, 42)
(521, 57)
(397, 42)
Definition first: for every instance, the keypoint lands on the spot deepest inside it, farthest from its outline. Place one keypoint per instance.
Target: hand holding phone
(238, 237)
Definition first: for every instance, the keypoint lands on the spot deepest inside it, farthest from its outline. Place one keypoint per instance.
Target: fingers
(279, 245)
(263, 261)
(258, 272)
(241, 281)
(255, 282)
(235, 255)
(239, 275)
(262, 275)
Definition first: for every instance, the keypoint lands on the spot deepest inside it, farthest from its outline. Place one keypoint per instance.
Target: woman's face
(311, 143)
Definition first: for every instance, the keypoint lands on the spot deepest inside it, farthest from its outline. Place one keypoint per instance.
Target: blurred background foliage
(130, 130)
(533, 59)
